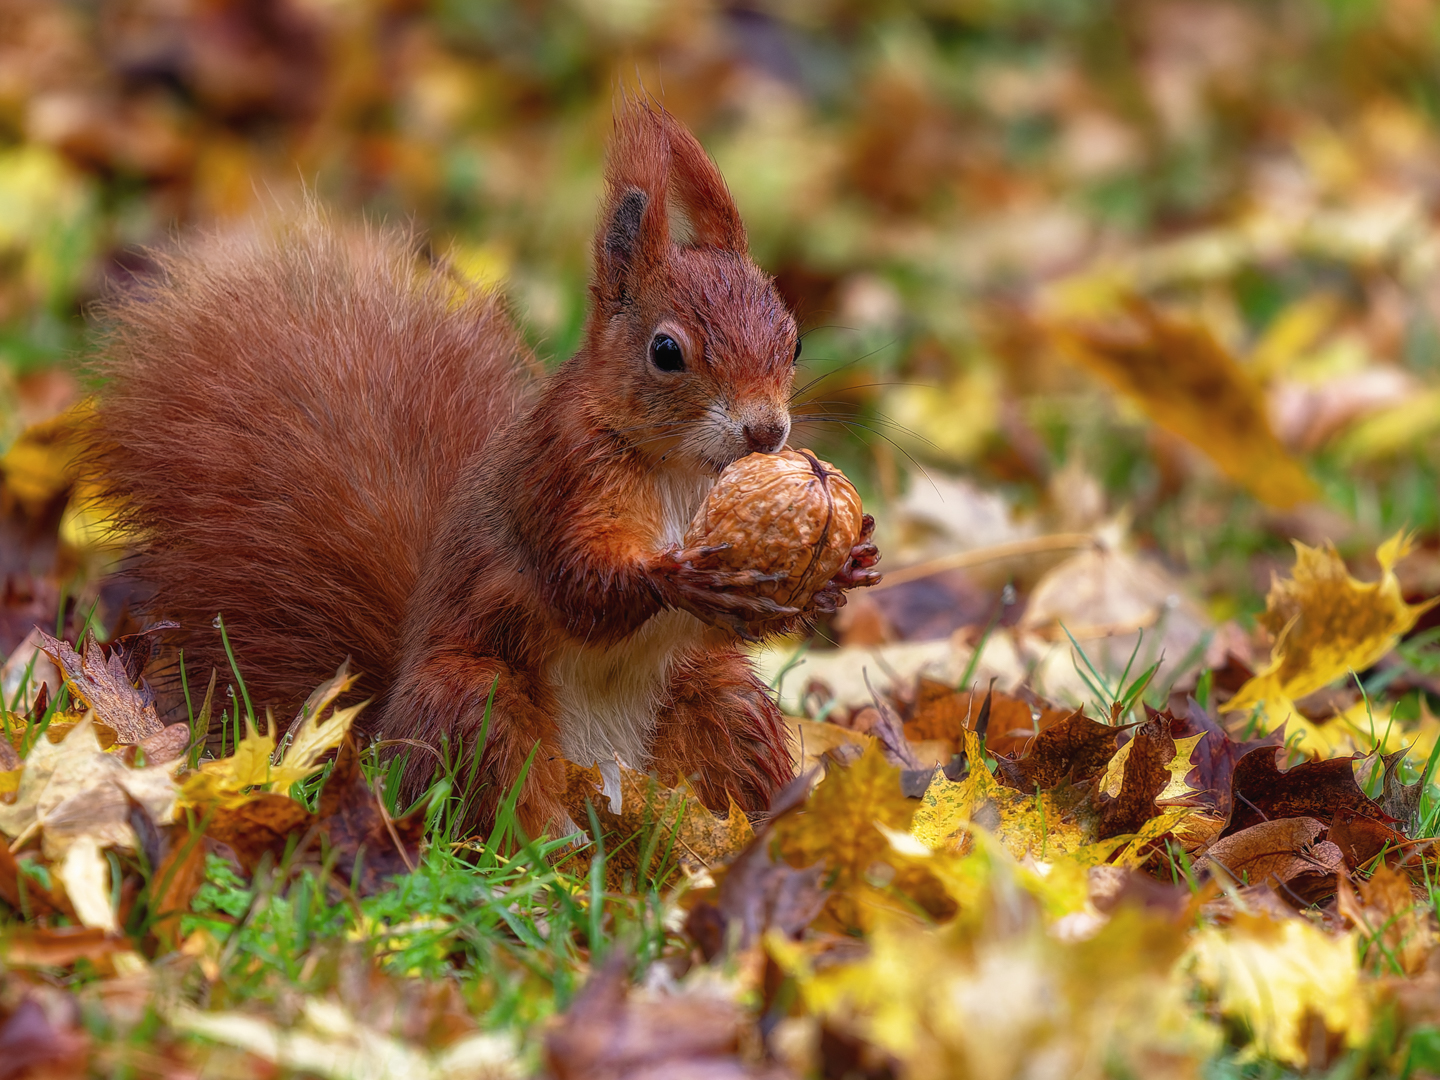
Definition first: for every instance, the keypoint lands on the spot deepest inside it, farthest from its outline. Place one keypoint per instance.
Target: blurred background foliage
(942, 189)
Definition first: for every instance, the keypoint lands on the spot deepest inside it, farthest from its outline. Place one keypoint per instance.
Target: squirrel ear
(700, 192)
(635, 231)
(655, 166)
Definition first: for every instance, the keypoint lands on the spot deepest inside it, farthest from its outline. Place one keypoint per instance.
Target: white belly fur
(608, 698)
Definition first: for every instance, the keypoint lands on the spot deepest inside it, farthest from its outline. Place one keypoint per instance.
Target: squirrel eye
(797, 348)
(665, 353)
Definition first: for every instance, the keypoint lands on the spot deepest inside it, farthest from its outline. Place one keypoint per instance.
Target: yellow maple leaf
(1025, 824)
(1189, 383)
(1326, 623)
(231, 781)
(40, 464)
(1271, 974)
(989, 1002)
(846, 825)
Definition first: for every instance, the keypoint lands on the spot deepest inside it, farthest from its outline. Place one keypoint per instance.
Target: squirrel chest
(608, 696)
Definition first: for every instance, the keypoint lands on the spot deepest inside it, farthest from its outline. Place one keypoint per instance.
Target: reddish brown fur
(294, 421)
(285, 415)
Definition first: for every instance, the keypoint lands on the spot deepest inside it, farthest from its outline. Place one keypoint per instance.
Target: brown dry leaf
(1360, 839)
(33, 1046)
(943, 713)
(1326, 624)
(1077, 748)
(173, 885)
(1318, 789)
(756, 892)
(35, 899)
(30, 946)
(1187, 382)
(1396, 924)
(166, 745)
(106, 687)
(263, 822)
(1150, 767)
(353, 816)
(701, 838)
(610, 1034)
(1276, 852)
(1215, 757)
(73, 789)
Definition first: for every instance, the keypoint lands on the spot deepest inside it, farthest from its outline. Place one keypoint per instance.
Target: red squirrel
(344, 453)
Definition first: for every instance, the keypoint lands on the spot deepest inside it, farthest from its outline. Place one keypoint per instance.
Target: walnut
(790, 514)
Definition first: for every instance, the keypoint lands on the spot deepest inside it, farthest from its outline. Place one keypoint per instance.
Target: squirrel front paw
(722, 597)
(855, 574)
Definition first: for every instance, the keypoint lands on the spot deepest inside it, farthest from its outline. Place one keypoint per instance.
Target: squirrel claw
(719, 596)
(855, 574)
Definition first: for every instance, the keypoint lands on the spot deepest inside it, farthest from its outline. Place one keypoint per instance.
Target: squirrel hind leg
(720, 728)
(443, 702)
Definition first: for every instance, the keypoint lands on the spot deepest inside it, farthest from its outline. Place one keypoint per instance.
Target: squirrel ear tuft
(698, 188)
(634, 231)
(655, 166)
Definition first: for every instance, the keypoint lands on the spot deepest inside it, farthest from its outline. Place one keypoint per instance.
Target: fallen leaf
(1005, 1001)
(1075, 749)
(261, 824)
(329, 1042)
(104, 685)
(173, 884)
(1271, 974)
(1215, 756)
(352, 815)
(607, 1034)
(72, 789)
(1318, 789)
(845, 825)
(810, 742)
(166, 745)
(1186, 381)
(1360, 839)
(1326, 624)
(1276, 852)
(757, 893)
(31, 1045)
(943, 713)
(86, 877)
(31, 946)
(1396, 925)
(670, 817)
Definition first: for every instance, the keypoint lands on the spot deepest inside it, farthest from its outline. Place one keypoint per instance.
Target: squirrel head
(691, 346)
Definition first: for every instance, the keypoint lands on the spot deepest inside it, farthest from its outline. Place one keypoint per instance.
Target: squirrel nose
(766, 437)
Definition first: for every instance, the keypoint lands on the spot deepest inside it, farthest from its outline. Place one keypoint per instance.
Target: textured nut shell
(788, 513)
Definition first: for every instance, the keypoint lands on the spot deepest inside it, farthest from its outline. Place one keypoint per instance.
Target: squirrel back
(285, 411)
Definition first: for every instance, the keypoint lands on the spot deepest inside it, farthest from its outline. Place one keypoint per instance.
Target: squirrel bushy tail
(285, 410)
